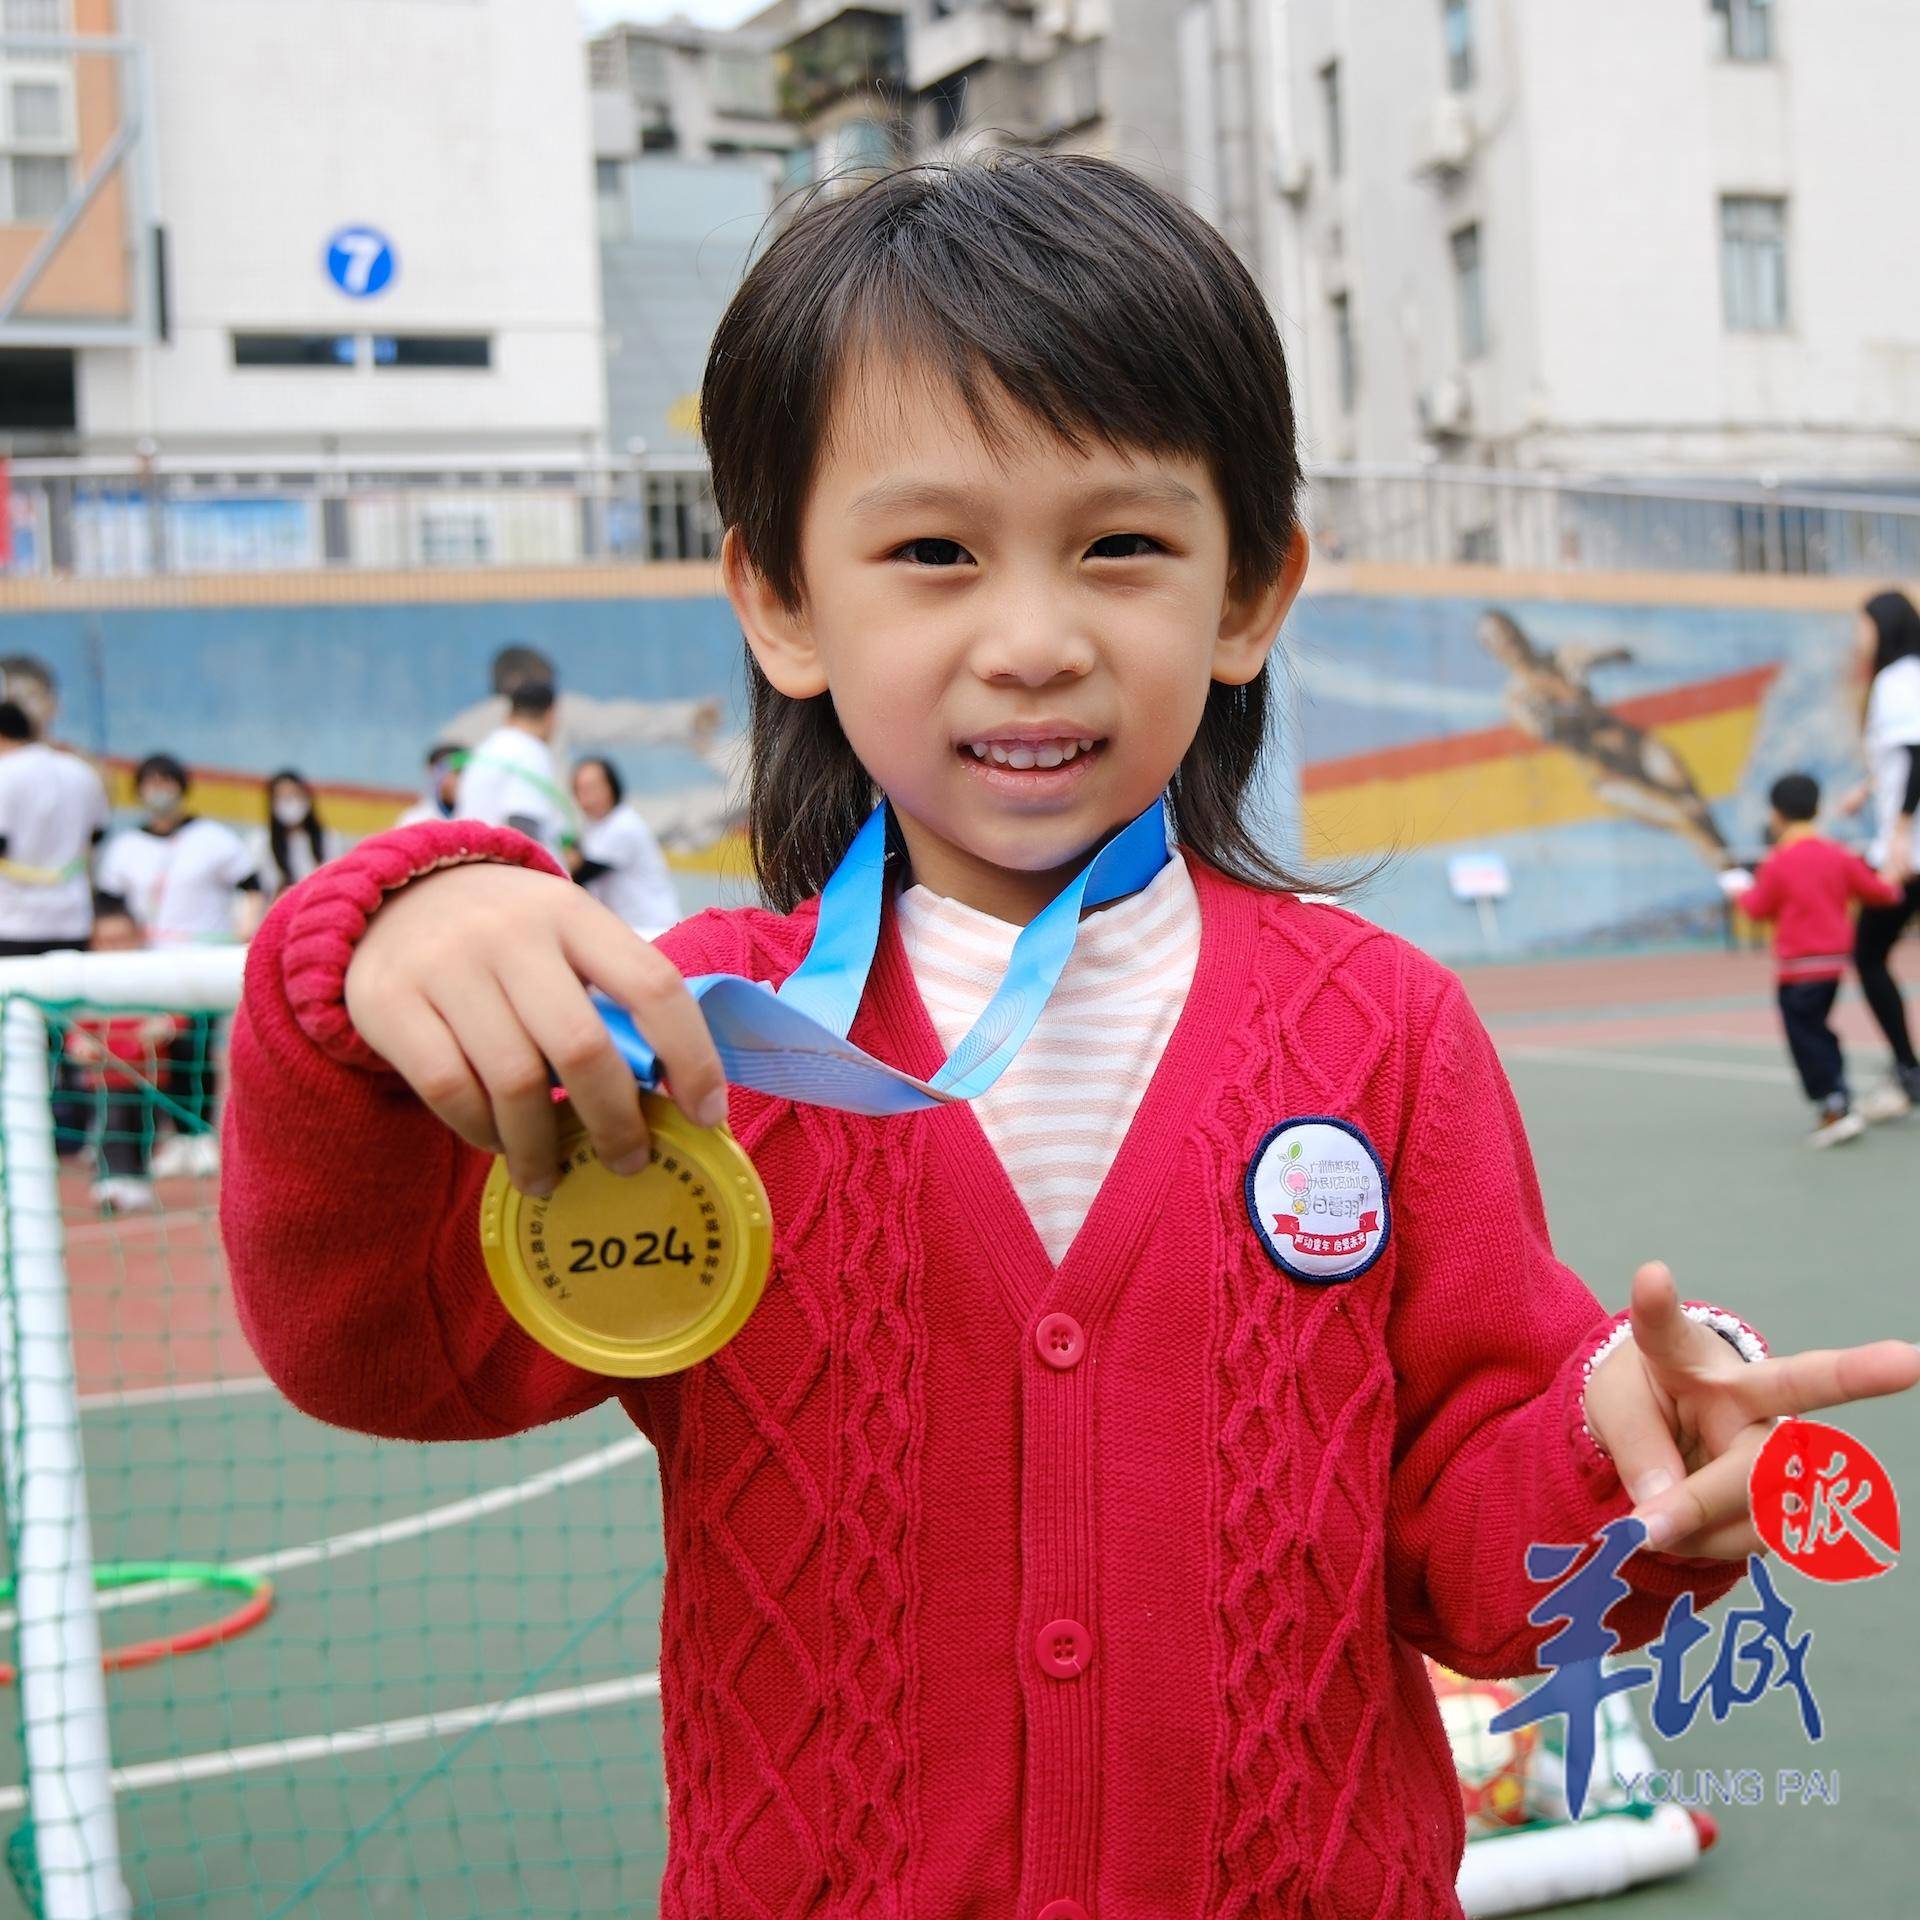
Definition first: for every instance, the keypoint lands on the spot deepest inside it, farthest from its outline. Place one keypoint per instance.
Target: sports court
(450, 1709)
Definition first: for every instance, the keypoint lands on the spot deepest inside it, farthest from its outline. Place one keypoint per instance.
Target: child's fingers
(510, 1067)
(644, 981)
(553, 1006)
(1634, 1430)
(1714, 1497)
(1733, 1541)
(425, 1054)
(1824, 1377)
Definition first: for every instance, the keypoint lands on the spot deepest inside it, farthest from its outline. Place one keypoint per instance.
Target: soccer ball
(1492, 1766)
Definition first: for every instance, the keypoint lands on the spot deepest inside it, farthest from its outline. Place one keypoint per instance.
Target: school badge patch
(1317, 1197)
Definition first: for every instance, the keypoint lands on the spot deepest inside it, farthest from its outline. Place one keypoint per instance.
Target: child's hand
(1853, 799)
(469, 983)
(1684, 1416)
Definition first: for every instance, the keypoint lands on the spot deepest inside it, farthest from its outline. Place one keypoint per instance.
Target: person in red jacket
(1807, 887)
(1060, 1535)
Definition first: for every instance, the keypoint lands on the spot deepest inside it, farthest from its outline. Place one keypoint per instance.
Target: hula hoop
(135, 1573)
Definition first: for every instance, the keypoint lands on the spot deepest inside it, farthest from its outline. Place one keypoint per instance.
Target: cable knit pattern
(888, 1501)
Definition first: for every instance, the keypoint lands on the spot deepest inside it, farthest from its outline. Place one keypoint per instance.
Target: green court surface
(452, 1710)
(1654, 1142)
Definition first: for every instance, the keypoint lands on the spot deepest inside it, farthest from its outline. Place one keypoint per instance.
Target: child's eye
(1147, 545)
(931, 552)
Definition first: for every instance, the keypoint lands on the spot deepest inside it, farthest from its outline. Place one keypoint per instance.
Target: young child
(1060, 1535)
(116, 1061)
(1807, 887)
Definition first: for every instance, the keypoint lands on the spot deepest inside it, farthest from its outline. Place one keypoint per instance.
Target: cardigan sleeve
(349, 1212)
(1491, 1338)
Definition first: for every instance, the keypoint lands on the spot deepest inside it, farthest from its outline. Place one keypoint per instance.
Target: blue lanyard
(792, 1042)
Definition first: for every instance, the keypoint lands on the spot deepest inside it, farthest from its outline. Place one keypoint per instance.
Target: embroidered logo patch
(1317, 1197)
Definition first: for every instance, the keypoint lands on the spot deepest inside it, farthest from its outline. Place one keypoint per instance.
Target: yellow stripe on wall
(1537, 788)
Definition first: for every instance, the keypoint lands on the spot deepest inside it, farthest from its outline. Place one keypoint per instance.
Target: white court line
(188, 1390)
(1647, 1063)
(226, 1762)
(433, 1520)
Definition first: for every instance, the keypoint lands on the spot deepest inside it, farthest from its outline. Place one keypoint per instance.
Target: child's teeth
(998, 755)
(1021, 757)
(1049, 756)
(1086, 746)
(979, 750)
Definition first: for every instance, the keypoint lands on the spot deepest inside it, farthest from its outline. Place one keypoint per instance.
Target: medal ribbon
(792, 1041)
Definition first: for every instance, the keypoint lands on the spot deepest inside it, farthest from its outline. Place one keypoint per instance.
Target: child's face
(956, 600)
(114, 933)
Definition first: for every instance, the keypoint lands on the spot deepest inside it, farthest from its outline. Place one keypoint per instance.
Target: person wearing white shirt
(618, 859)
(53, 811)
(1888, 658)
(509, 779)
(442, 790)
(188, 882)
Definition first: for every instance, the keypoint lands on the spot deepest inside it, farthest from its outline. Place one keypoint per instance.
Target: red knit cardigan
(952, 1629)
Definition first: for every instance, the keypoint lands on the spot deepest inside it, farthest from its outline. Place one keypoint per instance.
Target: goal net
(260, 1666)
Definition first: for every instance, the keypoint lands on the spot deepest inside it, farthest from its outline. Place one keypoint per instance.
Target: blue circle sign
(360, 261)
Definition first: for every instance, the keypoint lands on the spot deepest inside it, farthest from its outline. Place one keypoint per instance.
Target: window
(293, 350)
(1745, 28)
(1457, 23)
(948, 99)
(34, 16)
(609, 178)
(1343, 351)
(743, 83)
(1470, 292)
(40, 186)
(1336, 132)
(37, 113)
(796, 169)
(1753, 262)
(410, 350)
(861, 144)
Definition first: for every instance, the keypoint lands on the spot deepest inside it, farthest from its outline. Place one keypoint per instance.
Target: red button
(1063, 1648)
(1062, 1910)
(1060, 1340)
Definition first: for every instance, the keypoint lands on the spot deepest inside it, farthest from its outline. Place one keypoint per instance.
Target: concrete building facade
(1656, 235)
(363, 226)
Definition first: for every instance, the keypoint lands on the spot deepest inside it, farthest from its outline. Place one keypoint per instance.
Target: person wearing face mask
(189, 882)
(53, 812)
(294, 842)
(618, 860)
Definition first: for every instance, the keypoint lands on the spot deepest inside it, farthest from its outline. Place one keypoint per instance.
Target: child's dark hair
(616, 787)
(1795, 796)
(531, 700)
(1104, 309)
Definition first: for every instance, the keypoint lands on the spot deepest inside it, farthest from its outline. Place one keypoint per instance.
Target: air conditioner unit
(1451, 137)
(1446, 407)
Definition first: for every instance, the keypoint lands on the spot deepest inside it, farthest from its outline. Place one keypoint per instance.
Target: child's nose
(1033, 648)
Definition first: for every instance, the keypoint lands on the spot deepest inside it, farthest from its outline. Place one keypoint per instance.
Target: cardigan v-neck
(1056, 1117)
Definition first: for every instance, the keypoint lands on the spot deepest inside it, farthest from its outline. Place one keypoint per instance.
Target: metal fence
(1441, 516)
(128, 518)
(101, 518)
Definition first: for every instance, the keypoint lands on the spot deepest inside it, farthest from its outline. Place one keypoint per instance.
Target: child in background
(1059, 1536)
(1807, 887)
(117, 1061)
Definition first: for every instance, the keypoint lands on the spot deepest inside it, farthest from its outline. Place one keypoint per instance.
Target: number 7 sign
(360, 261)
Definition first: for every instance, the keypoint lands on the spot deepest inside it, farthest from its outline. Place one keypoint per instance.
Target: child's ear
(1250, 620)
(781, 639)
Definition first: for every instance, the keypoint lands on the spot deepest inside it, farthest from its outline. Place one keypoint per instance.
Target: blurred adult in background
(1887, 660)
(442, 788)
(293, 842)
(189, 882)
(618, 859)
(510, 779)
(584, 722)
(30, 684)
(53, 812)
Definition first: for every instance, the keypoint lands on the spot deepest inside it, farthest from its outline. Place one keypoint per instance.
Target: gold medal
(640, 1275)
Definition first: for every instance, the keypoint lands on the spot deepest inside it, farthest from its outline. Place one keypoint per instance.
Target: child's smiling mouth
(1031, 761)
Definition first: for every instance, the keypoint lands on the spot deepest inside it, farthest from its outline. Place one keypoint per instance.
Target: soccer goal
(260, 1666)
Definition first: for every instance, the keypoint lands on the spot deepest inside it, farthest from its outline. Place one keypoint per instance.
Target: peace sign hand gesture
(1684, 1416)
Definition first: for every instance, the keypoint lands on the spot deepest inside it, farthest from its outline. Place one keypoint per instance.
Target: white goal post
(63, 1694)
